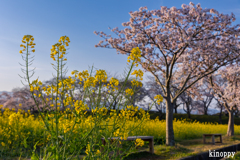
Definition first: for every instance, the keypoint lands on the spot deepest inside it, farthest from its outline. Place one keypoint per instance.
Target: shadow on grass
(141, 156)
(160, 152)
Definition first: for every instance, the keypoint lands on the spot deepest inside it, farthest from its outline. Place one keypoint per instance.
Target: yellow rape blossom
(3, 144)
(116, 133)
(27, 38)
(138, 73)
(101, 75)
(83, 74)
(73, 72)
(135, 56)
(129, 91)
(136, 83)
(159, 98)
(139, 142)
(90, 82)
(98, 151)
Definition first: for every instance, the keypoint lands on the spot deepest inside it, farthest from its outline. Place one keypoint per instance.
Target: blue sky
(48, 20)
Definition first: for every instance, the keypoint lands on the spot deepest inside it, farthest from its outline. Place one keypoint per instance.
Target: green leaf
(35, 146)
(34, 157)
(25, 142)
(71, 149)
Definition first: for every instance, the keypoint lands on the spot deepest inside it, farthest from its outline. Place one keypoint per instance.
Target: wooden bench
(213, 138)
(133, 138)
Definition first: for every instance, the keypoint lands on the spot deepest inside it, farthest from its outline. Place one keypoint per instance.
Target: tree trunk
(189, 115)
(188, 110)
(169, 123)
(205, 111)
(175, 108)
(220, 118)
(230, 131)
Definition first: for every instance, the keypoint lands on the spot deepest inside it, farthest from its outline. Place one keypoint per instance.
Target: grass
(183, 147)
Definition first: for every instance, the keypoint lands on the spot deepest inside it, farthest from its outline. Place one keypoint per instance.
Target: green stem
(30, 84)
(56, 111)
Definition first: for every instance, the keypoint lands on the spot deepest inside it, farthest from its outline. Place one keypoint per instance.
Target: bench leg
(204, 139)
(213, 139)
(220, 137)
(151, 145)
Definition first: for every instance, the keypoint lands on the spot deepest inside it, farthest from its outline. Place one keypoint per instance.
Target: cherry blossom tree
(21, 99)
(192, 41)
(139, 94)
(204, 98)
(152, 90)
(226, 89)
(221, 107)
(4, 96)
(177, 102)
(188, 103)
(237, 112)
(12, 101)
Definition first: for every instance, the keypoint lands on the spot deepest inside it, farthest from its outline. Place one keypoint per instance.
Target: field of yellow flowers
(58, 135)
(19, 131)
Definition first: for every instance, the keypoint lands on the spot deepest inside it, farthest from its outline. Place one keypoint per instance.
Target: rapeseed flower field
(23, 130)
(78, 130)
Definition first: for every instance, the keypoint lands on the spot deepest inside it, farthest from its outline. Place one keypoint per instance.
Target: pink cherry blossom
(225, 85)
(183, 45)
